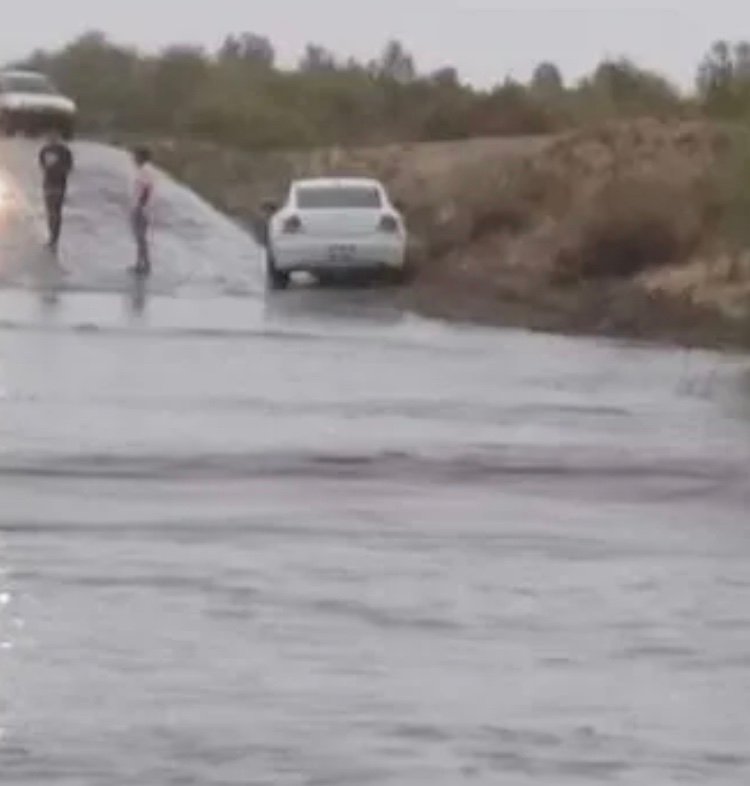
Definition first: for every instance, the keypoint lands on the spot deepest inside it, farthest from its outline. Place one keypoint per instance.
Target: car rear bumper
(312, 255)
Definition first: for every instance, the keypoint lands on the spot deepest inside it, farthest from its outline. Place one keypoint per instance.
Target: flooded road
(310, 539)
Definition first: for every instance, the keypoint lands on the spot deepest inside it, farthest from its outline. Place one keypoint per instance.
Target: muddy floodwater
(308, 539)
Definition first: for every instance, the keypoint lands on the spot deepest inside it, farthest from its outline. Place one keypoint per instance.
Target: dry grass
(627, 226)
(609, 202)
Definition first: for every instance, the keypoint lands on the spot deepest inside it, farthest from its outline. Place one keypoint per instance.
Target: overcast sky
(485, 39)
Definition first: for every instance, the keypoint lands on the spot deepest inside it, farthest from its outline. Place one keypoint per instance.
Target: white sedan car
(329, 226)
(30, 103)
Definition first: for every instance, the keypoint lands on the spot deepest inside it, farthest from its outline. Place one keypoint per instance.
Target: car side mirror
(269, 206)
(399, 205)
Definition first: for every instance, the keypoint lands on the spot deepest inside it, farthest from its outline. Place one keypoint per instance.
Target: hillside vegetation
(238, 96)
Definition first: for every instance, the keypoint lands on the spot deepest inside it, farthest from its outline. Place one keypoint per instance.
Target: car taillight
(292, 225)
(388, 224)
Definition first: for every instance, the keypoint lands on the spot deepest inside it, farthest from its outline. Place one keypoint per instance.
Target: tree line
(239, 96)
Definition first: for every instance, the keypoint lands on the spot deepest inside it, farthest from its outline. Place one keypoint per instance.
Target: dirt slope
(614, 229)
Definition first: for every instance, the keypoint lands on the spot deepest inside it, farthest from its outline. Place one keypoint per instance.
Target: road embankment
(615, 230)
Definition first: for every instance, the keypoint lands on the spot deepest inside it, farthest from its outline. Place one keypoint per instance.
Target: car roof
(337, 182)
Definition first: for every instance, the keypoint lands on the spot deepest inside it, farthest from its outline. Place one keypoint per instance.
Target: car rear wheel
(400, 276)
(277, 279)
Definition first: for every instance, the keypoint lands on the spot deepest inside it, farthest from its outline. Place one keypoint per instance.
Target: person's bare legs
(140, 231)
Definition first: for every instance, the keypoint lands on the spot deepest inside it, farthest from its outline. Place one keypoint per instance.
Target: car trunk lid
(339, 223)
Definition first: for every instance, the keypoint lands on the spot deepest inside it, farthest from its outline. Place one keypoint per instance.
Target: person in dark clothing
(56, 162)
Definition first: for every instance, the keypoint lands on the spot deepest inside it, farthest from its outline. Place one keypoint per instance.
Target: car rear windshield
(26, 83)
(333, 198)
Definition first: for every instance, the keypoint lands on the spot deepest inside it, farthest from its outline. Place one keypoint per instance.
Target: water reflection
(739, 402)
(137, 297)
(323, 303)
(49, 300)
(7, 625)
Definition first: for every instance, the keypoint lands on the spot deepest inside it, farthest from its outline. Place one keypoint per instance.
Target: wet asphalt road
(310, 539)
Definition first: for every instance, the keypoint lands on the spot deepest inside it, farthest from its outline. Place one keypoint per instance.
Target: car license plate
(342, 254)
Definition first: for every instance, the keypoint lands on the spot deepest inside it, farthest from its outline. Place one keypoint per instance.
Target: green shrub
(239, 96)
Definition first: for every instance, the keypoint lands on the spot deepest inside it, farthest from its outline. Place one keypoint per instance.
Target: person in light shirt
(141, 212)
